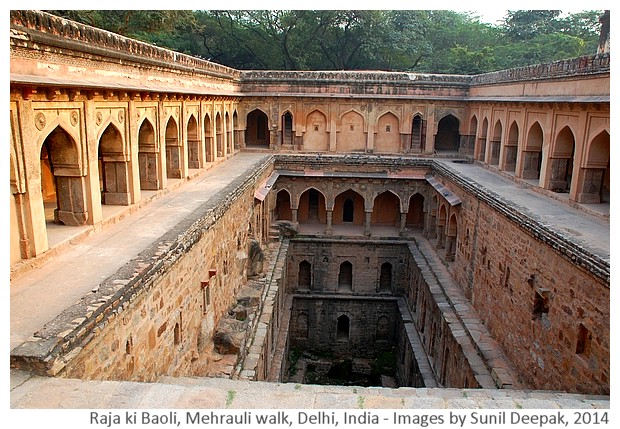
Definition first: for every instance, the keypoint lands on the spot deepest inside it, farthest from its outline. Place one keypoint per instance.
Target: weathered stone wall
(371, 325)
(326, 256)
(150, 318)
(545, 299)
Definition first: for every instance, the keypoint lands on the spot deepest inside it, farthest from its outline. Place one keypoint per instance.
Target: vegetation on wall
(430, 41)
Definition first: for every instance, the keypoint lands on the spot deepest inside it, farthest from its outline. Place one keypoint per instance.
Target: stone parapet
(573, 67)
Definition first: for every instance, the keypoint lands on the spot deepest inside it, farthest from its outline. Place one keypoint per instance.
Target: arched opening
(451, 238)
(418, 134)
(174, 161)
(312, 207)
(448, 137)
(345, 276)
(304, 279)
(113, 171)
(148, 157)
(316, 137)
(342, 328)
(510, 150)
(193, 144)
(283, 206)
(351, 137)
(470, 141)
(383, 328)
(62, 184)
(415, 214)
(496, 141)
(287, 129)
(349, 208)
(532, 153)
(208, 138)
(561, 161)
(257, 131)
(441, 223)
(388, 134)
(482, 141)
(595, 182)
(229, 133)
(385, 277)
(235, 129)
(386, 210)
(219, 135)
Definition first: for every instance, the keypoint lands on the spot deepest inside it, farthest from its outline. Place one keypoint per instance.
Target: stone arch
(383, 328)
(287, 128)
(113, 167)
(342, 328)
(511, 148)
(387, 134)
(174, 157)
(257, 131)
(418, 133)
(482, 141)
(562, 161)
(316, 137)
(345, 276)
(148, 157)
(351, 136)
(283, 206)
(473, 125)
(385, 277)
(415, 213)
(229, 133)
(349, 208)
(208, 131)
(442, 214)
(63, 185)
(235, 129)
(193, 143)
(304, 276)
(532, 152)
(312, 206)
(386, 209)
(496, 141)
(447, 138)
(219, 135)
(595, 175)
(451, 237)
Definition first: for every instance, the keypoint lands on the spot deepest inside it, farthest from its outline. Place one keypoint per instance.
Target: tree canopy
(429, 41)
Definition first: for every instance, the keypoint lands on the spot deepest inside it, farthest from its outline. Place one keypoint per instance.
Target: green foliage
(431, 41)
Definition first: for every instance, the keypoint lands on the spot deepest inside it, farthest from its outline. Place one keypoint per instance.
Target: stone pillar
(403, 222)
(440, 237)
(450, 244)
(72, 207)
(329, 230)
(294, 216)
(367, 223)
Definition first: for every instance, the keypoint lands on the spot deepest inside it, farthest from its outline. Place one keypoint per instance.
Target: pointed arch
(562, 161)
(348, 208)
(482, 140)
(511, 148)
(193, 143)
(113, 167)
(287, 128)
(345, 276)
(388, 134)
(304, 277)
(148, 157)
(235, 129)
(219, 135)
(229, 133)
(351, 136)
(283, 206)
(496, 141)
(595, 183)
(343, 328)
(386, 209)
(415, 213)
(447, 138)
(385, 277)
(316, 137)
(532, 152)
(63, 186)
(418, 133)
(174, 158)
(257, 131)
(312, 206)
(208, 131)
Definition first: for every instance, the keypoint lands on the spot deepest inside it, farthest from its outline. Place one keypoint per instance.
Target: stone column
(294, 216)
(367, 223)
(329, 230)
(403, 222)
